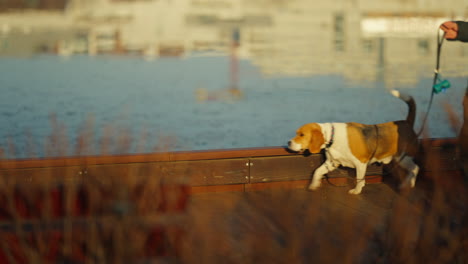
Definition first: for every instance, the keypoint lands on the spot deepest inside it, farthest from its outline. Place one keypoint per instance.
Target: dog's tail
(411, 105)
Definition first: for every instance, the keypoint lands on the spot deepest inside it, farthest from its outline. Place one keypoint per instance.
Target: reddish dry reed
(91, 215)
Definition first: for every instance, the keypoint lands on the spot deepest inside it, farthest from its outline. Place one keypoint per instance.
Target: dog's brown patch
(368, 141)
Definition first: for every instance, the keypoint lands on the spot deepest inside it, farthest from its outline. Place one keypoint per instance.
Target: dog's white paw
(314, 186)
(408, 182)
(354, 191)
(413, 182)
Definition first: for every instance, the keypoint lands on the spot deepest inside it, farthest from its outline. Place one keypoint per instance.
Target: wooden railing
(205, 171)
(202, 171)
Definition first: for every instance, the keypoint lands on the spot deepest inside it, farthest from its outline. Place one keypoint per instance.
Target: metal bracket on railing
(82, 172)
(249, 176)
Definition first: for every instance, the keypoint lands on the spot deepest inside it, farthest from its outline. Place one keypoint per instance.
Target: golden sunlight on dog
(357, 145)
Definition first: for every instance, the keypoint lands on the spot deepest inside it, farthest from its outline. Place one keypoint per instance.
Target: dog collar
(332, 136)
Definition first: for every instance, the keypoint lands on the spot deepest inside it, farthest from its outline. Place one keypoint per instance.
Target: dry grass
(145, 217)
(101, 219)
(421, 226)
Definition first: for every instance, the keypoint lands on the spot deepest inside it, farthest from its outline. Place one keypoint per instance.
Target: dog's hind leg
(360, 178)
(412, 171)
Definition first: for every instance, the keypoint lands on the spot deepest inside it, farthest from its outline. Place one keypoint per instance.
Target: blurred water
(155, 103)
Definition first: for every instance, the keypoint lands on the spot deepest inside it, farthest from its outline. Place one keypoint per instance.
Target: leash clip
(441, 85)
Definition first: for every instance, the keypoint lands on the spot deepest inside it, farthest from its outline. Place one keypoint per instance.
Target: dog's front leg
(319, 172)
(360, 178)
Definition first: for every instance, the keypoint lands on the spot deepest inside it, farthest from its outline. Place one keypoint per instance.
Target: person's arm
(462, 31)
(455, 30)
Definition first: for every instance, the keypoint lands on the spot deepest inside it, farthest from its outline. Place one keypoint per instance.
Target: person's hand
(450, 28)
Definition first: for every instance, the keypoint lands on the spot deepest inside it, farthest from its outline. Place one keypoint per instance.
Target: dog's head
(308, 136)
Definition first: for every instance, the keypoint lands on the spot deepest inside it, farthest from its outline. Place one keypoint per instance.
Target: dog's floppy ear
(316, 139)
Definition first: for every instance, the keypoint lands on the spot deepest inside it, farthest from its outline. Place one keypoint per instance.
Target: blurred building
(6, 5)
(362, 40)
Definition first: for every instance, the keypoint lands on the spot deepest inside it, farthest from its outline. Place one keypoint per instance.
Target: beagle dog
(357, 145)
